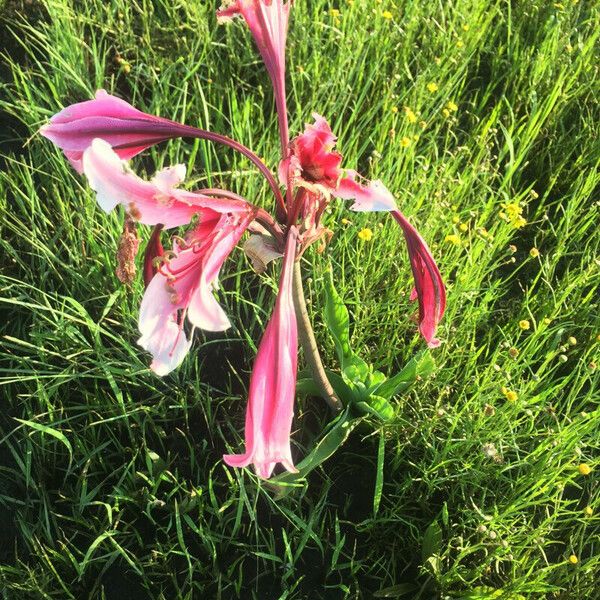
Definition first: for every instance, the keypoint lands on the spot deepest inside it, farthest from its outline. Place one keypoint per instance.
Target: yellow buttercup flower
(366, 234)
(410, 115)
(432, 87)
(451, 106)
(405, 142)
(453, 239)
(524, 324)
(386, 14)
(584, 469)
(573, 559)
(534, 253)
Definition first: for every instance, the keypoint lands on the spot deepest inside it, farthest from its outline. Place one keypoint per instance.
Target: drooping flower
(128, 130)
(183, 288)
(268, 22)
(429, 287)
(315, 167)
(183, 284)
(273, 382)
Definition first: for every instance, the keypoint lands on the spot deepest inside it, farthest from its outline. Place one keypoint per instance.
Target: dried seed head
(127, 251)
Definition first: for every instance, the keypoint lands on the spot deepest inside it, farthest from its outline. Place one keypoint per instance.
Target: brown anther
(127, 251)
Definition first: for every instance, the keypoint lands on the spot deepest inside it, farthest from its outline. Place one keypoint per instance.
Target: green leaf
(337, 433)
(306, 385)
(376, 406)
(420, 366)
(337, 321)
(356, 371)
(379, 477)
(432, 541)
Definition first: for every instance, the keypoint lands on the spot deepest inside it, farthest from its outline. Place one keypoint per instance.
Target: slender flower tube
(429, 288)
(268, 22)
(273, 382)
(130, 131)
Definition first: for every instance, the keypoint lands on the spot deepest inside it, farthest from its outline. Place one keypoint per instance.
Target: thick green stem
(309, 343)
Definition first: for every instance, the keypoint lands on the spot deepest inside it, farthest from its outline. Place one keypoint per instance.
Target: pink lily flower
(149, 202)
(128, 130)
(183, 288)
(314, 166)
(268, 22)
(273, 382)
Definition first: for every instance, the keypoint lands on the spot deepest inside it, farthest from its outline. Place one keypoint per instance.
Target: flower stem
(309, 343)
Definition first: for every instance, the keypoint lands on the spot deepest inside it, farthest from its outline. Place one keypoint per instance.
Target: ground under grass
(482, 118)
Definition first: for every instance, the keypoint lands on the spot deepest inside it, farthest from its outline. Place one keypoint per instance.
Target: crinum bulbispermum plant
(99, 136)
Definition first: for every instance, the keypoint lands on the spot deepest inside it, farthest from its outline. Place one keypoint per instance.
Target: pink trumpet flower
(268, 23)
(273, 382)
(149, 202)
(128, 130)
(315, 166)
(183, 288)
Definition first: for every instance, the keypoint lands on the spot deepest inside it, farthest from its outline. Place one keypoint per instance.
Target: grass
(111, 482)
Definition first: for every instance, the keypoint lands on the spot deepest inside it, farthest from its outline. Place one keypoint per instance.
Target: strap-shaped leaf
(377, 406)
(337, 433)
(422, 365)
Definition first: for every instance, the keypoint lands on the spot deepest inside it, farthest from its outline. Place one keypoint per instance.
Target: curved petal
(429, 286)
(149, 202)
(372, 197)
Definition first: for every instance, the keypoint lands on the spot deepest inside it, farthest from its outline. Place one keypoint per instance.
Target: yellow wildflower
(410, 115)
(432, 87)
(573, 559)
(463, 227)
(465, 27)
(346, 221)
(534, 253)
(366, 235)
(455, 219)
(510, 395)
(584, 469)
(446, 113)
(524, 324)
(422, 124)
(386, 14)
(405, 142)
(394, 109)
(459, 43)
(589, 511)
(451, 106)
(453, 239)
(334, 12)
